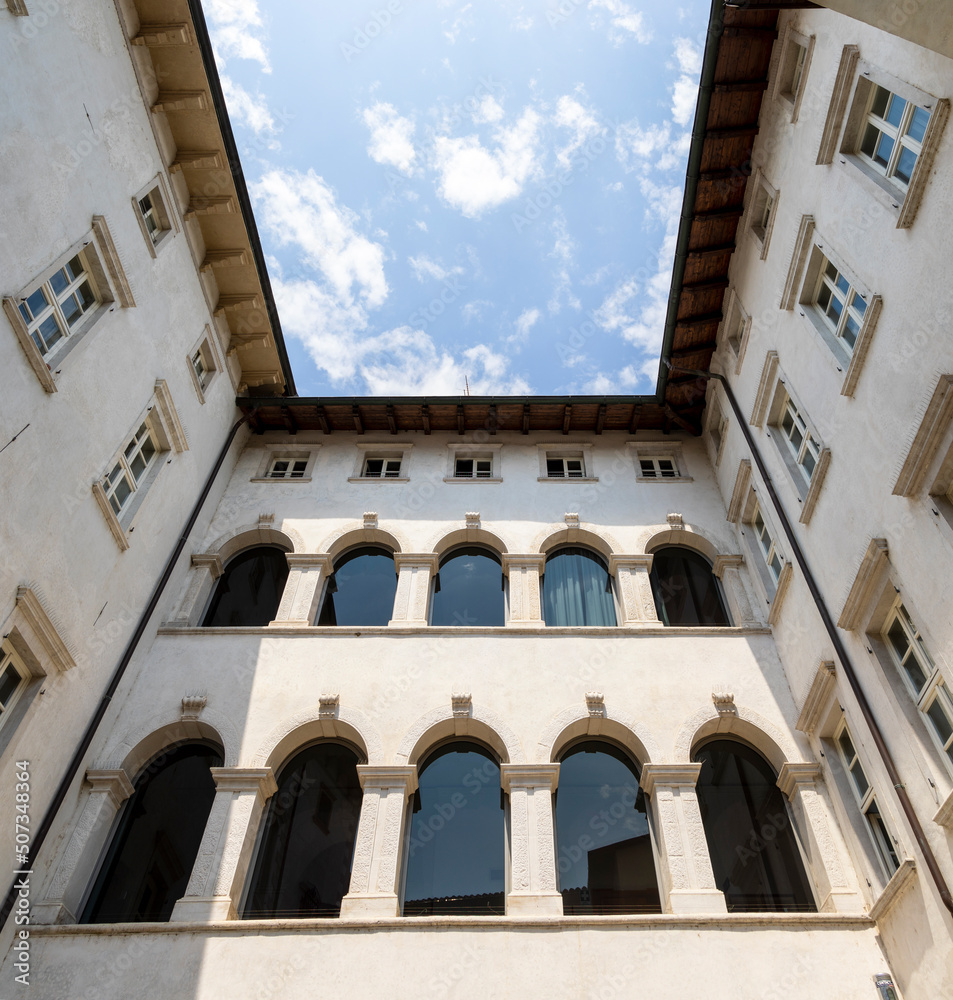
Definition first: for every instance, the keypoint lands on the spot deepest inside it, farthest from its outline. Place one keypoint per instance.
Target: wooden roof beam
(492, 422)
(712, 317)
(711, 251)
(601, 418)
(687, 352)
(718, 213)
(681, 421)
(323, 420)
(391, 419)
(635, 419)
(358, 422)
(745, 31)
(526, 418)
(567, 416)
(425, 417)
(461, 421)
(706, 286)
(289, 421)
(741, 87)
(731, 132)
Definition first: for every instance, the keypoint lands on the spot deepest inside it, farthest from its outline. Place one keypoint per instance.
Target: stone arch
(356, 536)
(556, 537)
(768, 739)
(249, 535)
(441, 724)
(132, 751)
(469, 536)
(573, 723)
(688, 536)
(310, 725)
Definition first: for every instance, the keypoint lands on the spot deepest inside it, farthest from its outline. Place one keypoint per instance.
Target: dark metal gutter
(241, 189)
(42, 831)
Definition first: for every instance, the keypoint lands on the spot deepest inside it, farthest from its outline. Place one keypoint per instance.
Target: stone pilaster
(206, 569)
(533, 888)
(224, 854)
(688, 883)
(824, 854)
(523, 572)
(78, 863)
(380, 834)
(728, 570)
(634, 588)
(415, 570)
(307, 572)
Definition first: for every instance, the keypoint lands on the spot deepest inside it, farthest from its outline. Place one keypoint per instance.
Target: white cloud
(425, 268)
(474, 310)
(474, 179)
(245, 109)
(236, 28)
(421, 225)
(688, 55)
(570, 114)
(525, 322)
(391, 137)
(489, 110)
(624, 380)
(624, 22)
(685, 92)
(464, 19)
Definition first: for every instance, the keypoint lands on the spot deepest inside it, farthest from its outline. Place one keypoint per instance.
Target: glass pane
(795, 435)
(154, 848)
(859, 778)
(60, 281)
(298, 470)
(869, 141)
(850, 331)
(373, 467)
(685, 589)
(754, 853)
(554, 467)
(456, 857)
(667, 468)
(72, 310)
(279, 469)
(905, 165)
(834, 309)
(464, 467)
(574, 467)
(365, 583)
(808, 462)
(37, 302)
(249, 590)
(470, 590)
(823, 296)
(879, 105)
(484, 469)
(895, 110)
(75, 268)
(882, 838)
(604, 849)
(50, 331)
(9, 683)
(831, 271)
(576, 590)
(648, 468)
(776, 565)
(392, 469)
(843, 284)
(859, 303)
(940, 720)
(883, 150)
(86, 296)
(304, 863)
(120, 493)
(918, 124)
(847, 747)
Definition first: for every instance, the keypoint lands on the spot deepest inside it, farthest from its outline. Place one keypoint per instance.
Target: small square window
(766, 545)
(381, 468)
(658, 468)
(14, 680)
(129, 472)
(153, 214)
(764, 202)
(565, 467)
(473, 468)
(801, 443)
(288, 468)
(892, 135)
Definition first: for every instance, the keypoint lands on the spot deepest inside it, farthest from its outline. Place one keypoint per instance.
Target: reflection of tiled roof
(486, 902)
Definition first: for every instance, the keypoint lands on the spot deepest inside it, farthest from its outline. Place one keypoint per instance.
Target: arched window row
(604, 812)
(471, 585)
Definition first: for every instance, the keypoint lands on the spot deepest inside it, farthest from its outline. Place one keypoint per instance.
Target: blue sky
(454, 192)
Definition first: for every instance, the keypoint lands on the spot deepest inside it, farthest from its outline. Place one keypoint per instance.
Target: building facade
(484, 697)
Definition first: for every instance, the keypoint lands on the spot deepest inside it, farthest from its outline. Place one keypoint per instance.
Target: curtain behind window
(576, 590)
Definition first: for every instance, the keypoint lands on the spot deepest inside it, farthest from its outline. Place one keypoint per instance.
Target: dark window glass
(605, 855)
(456, 856)
(361, 590)
(577, 589)
(150, 860)
(249, 591)
(685, 589)
(754, 853)
(469, 590)
(307, 844)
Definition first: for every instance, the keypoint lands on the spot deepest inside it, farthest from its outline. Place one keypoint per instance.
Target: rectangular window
(288, 468)
(772, 558)
(866, 800)
(921, 676)
(129, 472)
(893, 132)
(792, 69)
(153, 214)
(55, 309)
(14, 679)
(839, 304)
(150, 217)
(565, 467)
(473, 468)
(658, 468)
(801, 442)
(381, 468)
(199, 367)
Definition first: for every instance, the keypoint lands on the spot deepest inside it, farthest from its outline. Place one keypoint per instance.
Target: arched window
(307, 841)
(149, 862)
(686, 591)
(604, 850)
(361, 590)
(249, 591)
(469, 589)
(455, 861)
(577, 589)
(753, 848)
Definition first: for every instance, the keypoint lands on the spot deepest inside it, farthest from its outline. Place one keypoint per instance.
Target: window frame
(774, 586)
(11, 660)
(568, 451)
(205, 347)
(165, 224)
(655, 452)
(762, 211)
(482, 453)
(736, 327)
(123, 468)
(307, 453)
(785, 88)
(386, 452)
(898, 133)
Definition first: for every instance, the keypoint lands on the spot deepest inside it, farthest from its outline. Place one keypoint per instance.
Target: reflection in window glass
(469, 590)
(577, 589)
(685, 589)
(361, 590)
(605, 858)
(307, 844)
(154, 848)
(249, 591)
(754, 853)
(455, 860)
